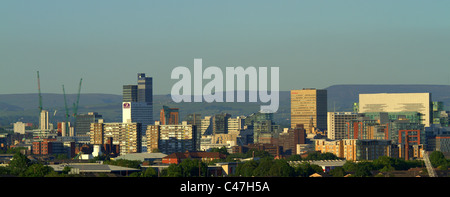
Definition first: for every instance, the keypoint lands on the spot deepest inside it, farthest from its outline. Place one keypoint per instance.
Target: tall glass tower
(137, 105)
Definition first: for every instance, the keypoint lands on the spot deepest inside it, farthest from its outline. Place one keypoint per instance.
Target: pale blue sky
(315, 43)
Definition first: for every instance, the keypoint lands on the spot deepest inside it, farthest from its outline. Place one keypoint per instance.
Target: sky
(314, 43)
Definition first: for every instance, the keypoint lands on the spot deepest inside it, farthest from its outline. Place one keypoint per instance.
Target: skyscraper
(130, 93)
(137, 105)
(309, 107)
(144, 89)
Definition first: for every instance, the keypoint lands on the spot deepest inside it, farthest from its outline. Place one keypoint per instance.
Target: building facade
(169, 139)
(137, 104)
(126, 135)
(309, 107)
(398, 102)
(83, 123)
(357, 150)
(336, 124)
(169, 115)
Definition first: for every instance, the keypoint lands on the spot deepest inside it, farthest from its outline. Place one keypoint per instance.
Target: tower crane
(67, 112)
(39, 89)
(75, 105)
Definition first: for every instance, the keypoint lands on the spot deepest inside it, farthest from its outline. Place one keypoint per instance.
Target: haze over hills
(24, 107)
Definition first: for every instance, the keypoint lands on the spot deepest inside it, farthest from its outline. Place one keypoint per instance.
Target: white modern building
(398, 102)
(19, 127)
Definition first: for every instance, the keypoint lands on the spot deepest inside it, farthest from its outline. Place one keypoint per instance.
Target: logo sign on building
(126, 105)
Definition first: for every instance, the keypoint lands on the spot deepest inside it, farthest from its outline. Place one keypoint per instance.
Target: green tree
(320, 156)
(280, 168)
(363, 169)
(222, 150)
(38, 170)
(19, 164)
(349, 166)
(437, 159)
(257, 153)
(66, 170)
(337, 172)
(150, 172)
(193, 168)
(294, 158)
(187, 168)
(307, 169)
(246, 169)
(263, 167)
(174, 170)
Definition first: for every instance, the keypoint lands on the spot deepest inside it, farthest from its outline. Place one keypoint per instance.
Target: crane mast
(67, 112)
(39, 89)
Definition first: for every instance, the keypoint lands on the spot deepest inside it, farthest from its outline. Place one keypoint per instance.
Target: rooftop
(141, 156)
(93, 167)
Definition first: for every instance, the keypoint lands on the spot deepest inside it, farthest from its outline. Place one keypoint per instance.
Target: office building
(263, 127)
(145, 89)
(130, 93)
(206, 128)
(168, 115)
(83, 123)
(336, 124)
(169, 139)
(309, 107)
(398, 102)
(194, 119)
(137, 105)
(235, 125)
(220, 123)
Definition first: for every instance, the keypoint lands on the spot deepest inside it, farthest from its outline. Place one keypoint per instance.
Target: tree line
(266, 166)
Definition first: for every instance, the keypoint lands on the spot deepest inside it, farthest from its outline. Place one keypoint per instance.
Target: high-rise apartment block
(309, 107)
(337, 124)
(43, 121)
(126, 135)
(171, 138)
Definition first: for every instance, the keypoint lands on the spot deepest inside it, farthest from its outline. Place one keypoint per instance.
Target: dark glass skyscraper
(130, 93)
(137, 104)
(144, 88)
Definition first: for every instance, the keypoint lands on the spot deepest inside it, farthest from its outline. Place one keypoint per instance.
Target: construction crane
(39, 89)
(75, 105)
(67, 111)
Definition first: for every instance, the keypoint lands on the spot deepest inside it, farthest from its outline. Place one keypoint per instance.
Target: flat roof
(92, 167)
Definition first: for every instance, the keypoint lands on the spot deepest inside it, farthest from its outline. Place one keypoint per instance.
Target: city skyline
(314, 44)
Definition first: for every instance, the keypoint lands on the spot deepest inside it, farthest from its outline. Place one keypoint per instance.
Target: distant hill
(24, 107)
